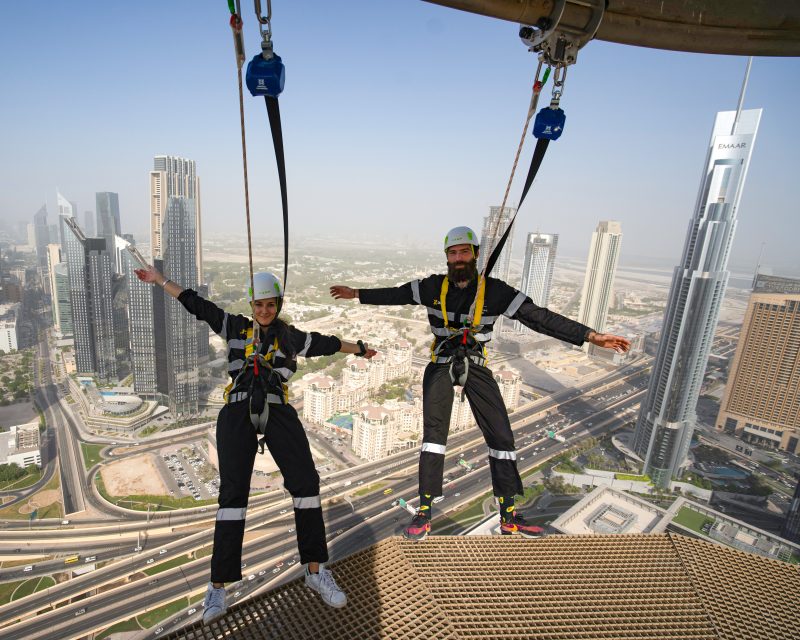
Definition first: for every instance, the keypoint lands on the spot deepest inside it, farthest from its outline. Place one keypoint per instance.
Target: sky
(401, 120)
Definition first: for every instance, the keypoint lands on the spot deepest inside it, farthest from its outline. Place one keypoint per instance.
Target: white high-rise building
(174, 177)
(601, 268)
(537, 270)
(667, 419)
(494, 225)
(373, 433)
(510, 384)
(319, 399)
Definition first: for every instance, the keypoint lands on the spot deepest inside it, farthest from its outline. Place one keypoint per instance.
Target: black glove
(363, 348)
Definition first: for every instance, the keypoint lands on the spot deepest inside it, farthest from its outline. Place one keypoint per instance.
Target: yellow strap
(480, 294)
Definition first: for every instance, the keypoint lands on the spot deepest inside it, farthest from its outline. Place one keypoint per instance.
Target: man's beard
(463, 271)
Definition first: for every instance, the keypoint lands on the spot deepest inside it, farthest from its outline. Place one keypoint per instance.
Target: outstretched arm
(404, 294)
(356, 347)
(199, 307)
(153, 275)
(619, 344)
(342, 292)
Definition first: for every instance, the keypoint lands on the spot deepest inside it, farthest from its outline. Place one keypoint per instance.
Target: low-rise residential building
(20, 445)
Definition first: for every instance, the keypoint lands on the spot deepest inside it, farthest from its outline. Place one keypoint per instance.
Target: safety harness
(461, 345)
(258, 382)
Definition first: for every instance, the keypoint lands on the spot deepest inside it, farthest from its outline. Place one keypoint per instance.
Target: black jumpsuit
(237, 443)
(481, 388)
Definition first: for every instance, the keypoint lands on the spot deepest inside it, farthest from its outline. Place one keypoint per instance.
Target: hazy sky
(401, 120)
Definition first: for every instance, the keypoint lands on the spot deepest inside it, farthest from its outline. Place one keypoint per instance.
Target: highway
(350, 528)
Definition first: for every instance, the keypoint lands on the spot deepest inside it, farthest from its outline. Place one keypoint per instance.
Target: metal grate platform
(631, 587)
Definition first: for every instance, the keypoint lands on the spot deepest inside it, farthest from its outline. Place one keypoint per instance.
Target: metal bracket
(558, 42)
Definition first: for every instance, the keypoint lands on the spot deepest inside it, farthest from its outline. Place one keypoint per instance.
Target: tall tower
(762, 398)
(41, 238)
(537, 270)
(90, 271)
(494, 225)
(174, 177)
(601, 269)
(179, 253)
(666, 422)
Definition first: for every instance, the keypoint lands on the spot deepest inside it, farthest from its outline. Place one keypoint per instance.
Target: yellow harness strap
(476, 320)
(248, 352)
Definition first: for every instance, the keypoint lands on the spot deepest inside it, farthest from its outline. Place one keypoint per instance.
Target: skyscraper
(108, 222)
(65, 208)
(601, 269)
(174, 177)
(41, 238)
(53, 258)
(179, 253)
(667, 418)
(90, 278)
(762, 398)
(494, 225)
(61, 300)
(537, 270)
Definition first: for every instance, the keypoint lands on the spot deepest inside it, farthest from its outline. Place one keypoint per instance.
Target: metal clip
(265, 27)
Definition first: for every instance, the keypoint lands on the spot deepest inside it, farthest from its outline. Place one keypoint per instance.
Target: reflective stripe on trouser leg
(236, 448)
(287, 442)
(437, 403)
(492, 418)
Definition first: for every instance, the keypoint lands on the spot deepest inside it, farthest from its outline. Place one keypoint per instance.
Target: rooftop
(655, 586)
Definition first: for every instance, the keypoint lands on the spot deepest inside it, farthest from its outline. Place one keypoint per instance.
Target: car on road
(90, 558)
(291, 529)
(244, 564)
(237, 594)
(252, 576)
(291, 562)
(283, 511)
(65, 522)
(159, 630)
(162, 552)
(275, 570)
(151, 560)
(138, 548)
(191, 611)
(386, 492)
(455, 495)
(280, 564)
(262, 572)
(80, 611)
(28, 568)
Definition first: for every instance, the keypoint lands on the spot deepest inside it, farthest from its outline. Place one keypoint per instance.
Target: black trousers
(490, 414)
(236, 447)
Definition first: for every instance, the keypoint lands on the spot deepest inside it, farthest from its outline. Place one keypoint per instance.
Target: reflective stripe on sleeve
(503, 455)
(415, 291)
(311, 502)
(228, 513)
(235, 365)
(433, 448)
(223, 332)
(304, 350)
(516, 303)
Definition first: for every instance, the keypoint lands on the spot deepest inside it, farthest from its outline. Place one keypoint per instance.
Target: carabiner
(266, 34)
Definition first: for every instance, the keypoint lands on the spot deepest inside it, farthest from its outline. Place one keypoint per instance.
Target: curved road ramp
(648, 587)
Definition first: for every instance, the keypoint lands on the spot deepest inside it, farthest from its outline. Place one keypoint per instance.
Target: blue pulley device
(549, 123)
(265, 77)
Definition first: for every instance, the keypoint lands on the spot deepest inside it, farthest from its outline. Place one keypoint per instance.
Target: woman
(256, 403)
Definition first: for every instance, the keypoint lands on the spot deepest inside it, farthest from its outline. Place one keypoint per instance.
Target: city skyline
(454, 176)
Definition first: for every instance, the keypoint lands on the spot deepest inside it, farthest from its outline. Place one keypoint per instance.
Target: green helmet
(461, 235)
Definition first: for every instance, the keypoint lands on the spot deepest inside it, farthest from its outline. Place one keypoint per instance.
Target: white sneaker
(214, 605)
(324, 584)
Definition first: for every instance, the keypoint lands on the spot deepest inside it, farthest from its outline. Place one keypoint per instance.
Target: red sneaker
(418, 529)
(517, 524)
